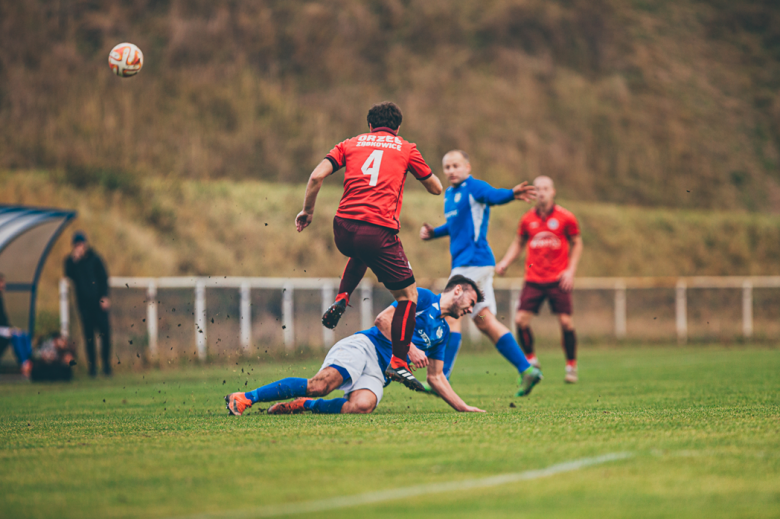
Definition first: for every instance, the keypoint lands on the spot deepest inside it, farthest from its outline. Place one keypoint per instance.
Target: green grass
(703, 425)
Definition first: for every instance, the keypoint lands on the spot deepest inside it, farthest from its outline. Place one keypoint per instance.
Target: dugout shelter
(26, 237)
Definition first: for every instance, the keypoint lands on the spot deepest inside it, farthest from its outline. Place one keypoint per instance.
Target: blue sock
(508, 347)
(453, 345)
(279, 390)
(325, 406)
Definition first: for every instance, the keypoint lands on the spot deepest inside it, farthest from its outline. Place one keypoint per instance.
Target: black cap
(78, 237)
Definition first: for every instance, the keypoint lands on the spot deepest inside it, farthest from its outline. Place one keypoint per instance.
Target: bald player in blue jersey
(467, 205)
(356, 364)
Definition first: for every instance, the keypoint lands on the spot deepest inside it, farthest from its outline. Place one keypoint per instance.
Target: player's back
(376, 164)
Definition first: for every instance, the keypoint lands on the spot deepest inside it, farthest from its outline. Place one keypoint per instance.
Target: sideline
(334, 503)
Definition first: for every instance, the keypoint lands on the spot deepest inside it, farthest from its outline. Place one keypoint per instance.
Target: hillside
(168, 228)
(624, 101)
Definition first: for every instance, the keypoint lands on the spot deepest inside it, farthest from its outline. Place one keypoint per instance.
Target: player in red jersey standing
(554, 249)
(367, 221)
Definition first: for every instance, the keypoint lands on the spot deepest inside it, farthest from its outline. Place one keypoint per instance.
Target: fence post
(366, 305)
(246, 318)
(681, 310)
(620, 309)
(287, 316)
(328, 337)
(151, 317)
(747, 309)
(64, 309)
(200, 318)
(514, 304)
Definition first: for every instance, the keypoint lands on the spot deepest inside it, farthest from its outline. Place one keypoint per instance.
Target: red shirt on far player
(548, 243)
(376, 166)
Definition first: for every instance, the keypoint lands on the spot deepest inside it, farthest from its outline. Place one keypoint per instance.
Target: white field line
(396, 494)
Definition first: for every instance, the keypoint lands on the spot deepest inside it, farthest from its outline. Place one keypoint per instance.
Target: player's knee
(522, 321)
(566, 322)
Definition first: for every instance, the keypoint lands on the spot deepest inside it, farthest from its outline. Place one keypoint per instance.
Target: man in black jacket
(86, 269)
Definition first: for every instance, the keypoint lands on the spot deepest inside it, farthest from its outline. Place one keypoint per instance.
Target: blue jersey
(467, 210)
(431, 330)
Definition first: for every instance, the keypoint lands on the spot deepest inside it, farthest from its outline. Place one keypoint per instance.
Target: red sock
(571, 364)
(395, 362)
(343, 296)
(402, 328)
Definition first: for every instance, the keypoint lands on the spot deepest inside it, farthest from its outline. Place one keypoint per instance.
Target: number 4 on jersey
(371, 166)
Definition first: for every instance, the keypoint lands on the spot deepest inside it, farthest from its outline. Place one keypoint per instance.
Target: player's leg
(361, 401)
(401, 331)
(525, 336)
(350, 279)
(324, 382)
(104, 332)
(531, 299)
(382, 251)
(348, 235)
(569, 343)
(506, 344)
(561, 305)
(88, 327)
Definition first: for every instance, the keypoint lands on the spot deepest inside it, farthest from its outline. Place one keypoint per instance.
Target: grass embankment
(701, 425)
(168, 228)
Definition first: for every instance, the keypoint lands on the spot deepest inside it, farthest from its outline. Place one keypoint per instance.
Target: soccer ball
(126, 60)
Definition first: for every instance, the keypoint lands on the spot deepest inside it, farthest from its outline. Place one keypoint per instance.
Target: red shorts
(378, 247)
(534, 294)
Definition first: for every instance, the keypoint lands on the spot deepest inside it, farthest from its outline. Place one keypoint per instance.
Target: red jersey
(548, 243)
(376, 166)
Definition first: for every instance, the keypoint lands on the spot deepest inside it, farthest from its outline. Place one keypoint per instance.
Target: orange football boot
(294, 407)
(237, 403)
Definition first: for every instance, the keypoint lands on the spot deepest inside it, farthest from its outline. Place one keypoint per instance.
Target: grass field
(701, 427)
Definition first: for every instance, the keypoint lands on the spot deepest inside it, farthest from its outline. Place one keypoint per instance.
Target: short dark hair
(385, 115)
(463, 282)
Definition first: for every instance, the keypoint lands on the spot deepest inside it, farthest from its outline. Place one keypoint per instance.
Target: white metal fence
(327, 287)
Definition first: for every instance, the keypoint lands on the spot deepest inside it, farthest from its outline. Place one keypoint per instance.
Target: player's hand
(418, 358)
(472, 409)
(105, 303)
(303, 220)
(524, 192)
(566, 283)
(501, 268)
(426, 232)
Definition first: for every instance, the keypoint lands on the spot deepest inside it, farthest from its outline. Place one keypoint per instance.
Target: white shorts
(357, 354)
(483, 276)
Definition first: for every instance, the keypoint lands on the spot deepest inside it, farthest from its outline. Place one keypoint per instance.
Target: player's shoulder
(565, 212)
(425, 298)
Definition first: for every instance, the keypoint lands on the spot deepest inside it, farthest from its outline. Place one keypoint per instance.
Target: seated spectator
(18, 338)
(53, 360)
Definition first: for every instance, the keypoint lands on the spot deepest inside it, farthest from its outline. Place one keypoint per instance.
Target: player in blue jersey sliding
(356, 364)
(467, 209)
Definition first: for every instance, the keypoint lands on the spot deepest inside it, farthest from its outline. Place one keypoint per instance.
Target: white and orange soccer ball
(126, 60)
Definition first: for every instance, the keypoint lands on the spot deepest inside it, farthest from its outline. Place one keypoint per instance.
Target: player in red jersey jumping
(549, 230)
(367, 221)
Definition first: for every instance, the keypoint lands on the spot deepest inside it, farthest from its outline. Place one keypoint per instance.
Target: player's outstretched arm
(514, 250)
(428, 232)
(441, 385)
(323, 169)
(433, 185)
